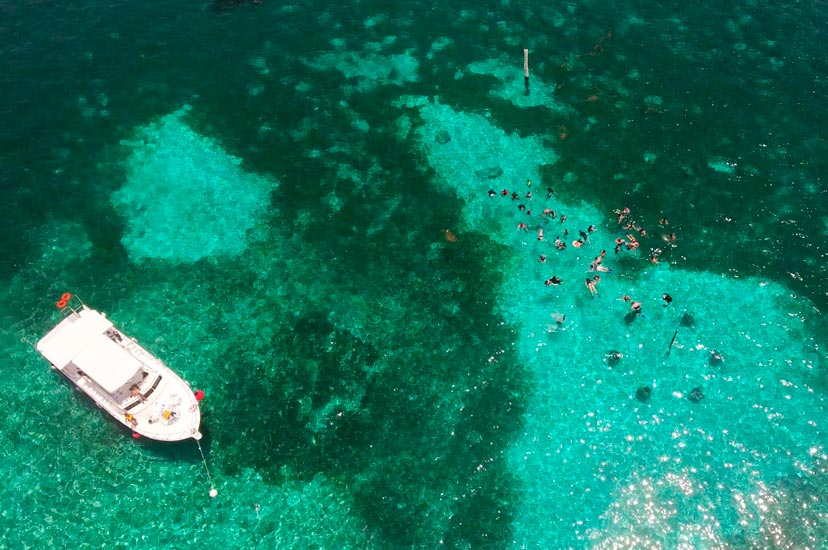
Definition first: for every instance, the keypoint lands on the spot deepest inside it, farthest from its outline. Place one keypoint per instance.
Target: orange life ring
(61, 304)
(65, 297)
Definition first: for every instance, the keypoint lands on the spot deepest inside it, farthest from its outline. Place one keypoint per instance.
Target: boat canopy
(81, 340)
(108, 364)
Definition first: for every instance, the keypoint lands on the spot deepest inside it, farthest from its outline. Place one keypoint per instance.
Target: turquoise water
(290, 205)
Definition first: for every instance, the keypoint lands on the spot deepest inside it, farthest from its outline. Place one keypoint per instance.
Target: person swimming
(596, 264)
(553, 281)
(590, 284)
(623, 213)
(613, 358)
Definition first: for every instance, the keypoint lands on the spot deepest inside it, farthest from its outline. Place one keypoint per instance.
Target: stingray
(613, 358)
(489, 173)
(715, 358)
(688, 321)
(696, 395)
(643, 393)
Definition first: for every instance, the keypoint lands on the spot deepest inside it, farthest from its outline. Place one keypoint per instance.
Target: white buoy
(213, 493)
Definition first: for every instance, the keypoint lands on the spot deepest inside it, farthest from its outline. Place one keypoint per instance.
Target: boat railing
(90, 387)
(139, 352)
(72, 306)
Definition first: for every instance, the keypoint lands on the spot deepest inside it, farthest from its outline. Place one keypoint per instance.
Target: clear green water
(260, 194)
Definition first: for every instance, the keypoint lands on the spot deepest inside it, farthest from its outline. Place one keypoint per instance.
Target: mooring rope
(213, 491)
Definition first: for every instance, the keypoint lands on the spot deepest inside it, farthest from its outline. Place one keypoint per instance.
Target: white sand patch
(185, 198)
(369, 68)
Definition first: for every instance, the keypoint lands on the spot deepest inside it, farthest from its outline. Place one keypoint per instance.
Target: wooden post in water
(526, 69)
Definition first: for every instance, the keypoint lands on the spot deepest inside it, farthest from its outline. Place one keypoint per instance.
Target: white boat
(120, 376)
